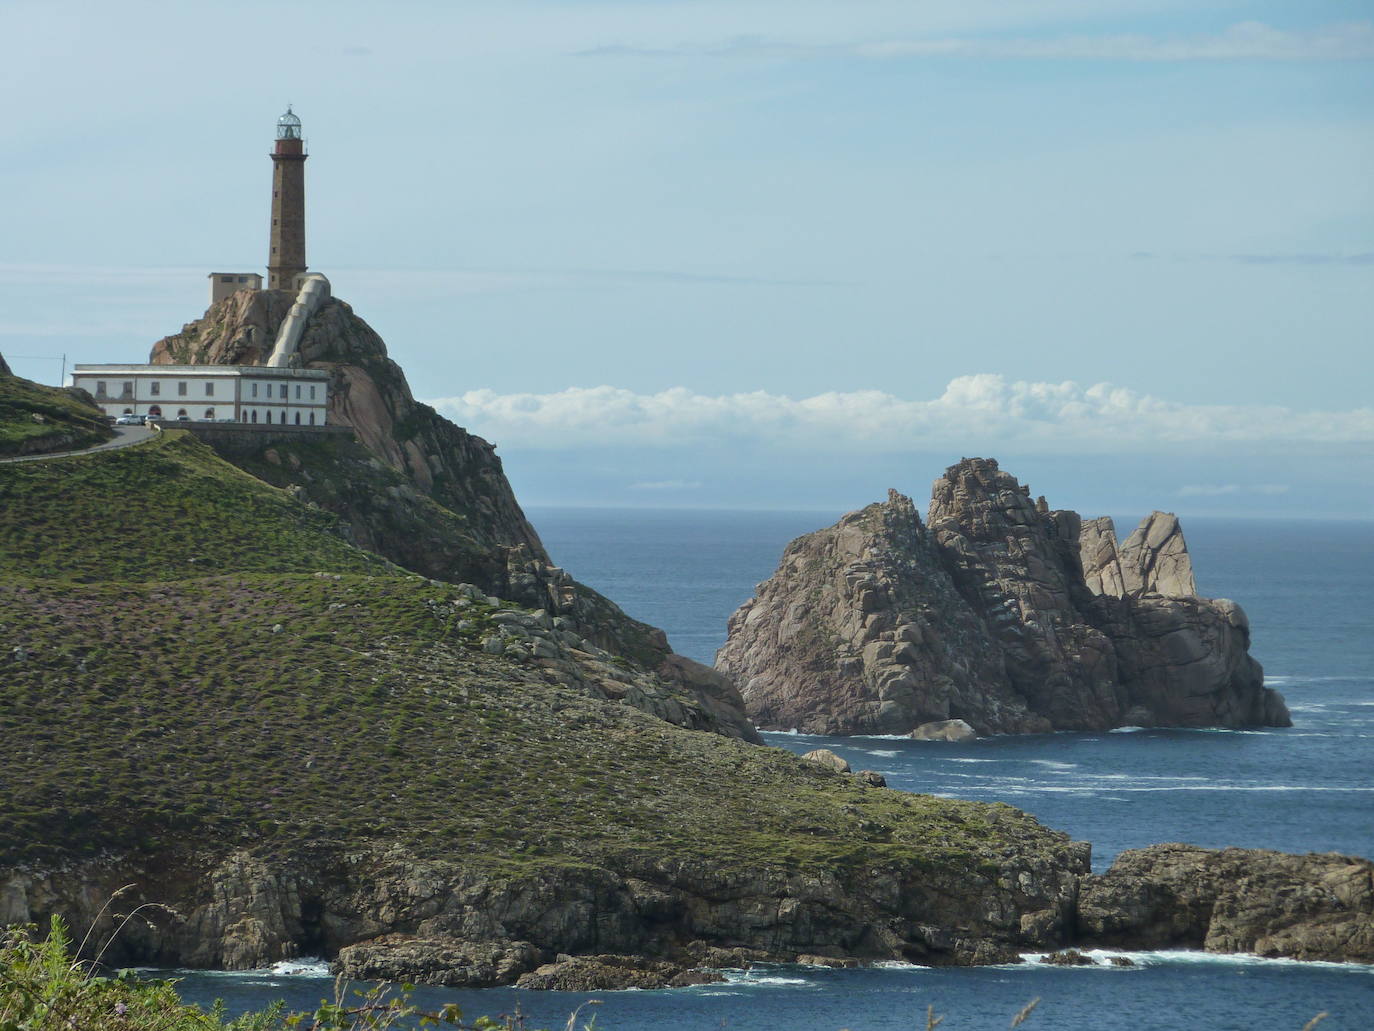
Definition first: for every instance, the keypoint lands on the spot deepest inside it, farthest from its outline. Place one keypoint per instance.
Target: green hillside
(194, 655)
(35, 418)
(165, 510)
(298, 710)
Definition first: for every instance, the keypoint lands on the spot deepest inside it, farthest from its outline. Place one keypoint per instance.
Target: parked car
(129, 420)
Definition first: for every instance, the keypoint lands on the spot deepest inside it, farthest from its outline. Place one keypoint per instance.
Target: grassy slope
(164, 510)
(148, 706)
(63, 422)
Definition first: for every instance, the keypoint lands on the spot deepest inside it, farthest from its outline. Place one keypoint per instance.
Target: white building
(209, 393)
(223, 284)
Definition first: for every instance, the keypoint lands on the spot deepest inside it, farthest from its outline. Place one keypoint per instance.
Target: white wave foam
(306, 966)
(1056, 766)
(1127, 730)
(882, 753)
(944, 759)
(1191, 957)
(746, 978)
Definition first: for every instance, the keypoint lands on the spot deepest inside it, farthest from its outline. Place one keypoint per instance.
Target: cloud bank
(983, 411)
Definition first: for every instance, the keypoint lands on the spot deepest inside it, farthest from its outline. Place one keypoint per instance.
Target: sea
(1307, 588)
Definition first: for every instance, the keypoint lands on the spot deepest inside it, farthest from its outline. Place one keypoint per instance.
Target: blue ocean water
(1306, 587)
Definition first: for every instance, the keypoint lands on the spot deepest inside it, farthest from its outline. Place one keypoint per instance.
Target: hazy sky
(749, 252)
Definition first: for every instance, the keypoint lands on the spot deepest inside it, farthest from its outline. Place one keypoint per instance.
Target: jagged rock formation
(423, 492)
(4, 367)
(998, 612)
(1314, 907)
(385, 912)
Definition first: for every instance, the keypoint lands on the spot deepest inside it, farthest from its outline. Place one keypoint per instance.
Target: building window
(209, 389)
(128, 411)
(210, 414)
(255, 415)
(155, 412)
(298, 418)
(312, 391)
(312, 418)
(181, 389)
(283, 391)
(255, 390)
(298, 391)
(226, 279)
(129, 386)
(100, 388)
(155, 388)
(181, 413)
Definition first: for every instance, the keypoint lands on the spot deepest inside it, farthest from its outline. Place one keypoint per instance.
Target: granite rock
(996, 611)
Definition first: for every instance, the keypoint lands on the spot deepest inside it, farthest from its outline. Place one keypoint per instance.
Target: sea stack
(996, 611)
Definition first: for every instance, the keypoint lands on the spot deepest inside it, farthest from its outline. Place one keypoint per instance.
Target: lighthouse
(286, 260)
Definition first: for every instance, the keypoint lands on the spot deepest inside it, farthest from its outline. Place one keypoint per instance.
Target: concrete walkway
(124, 437)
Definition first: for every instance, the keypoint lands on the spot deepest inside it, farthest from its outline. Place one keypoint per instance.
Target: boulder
(945, 730)
(825, 757)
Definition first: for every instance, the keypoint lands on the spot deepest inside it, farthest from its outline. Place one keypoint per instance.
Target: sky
(752, 253)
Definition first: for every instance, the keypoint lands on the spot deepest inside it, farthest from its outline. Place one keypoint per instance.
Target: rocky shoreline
(383, 915)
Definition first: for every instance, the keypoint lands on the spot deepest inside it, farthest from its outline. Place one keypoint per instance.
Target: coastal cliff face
(1312, 907)
(387, 914)
(998, 612)
(387, 910)
(425, 493)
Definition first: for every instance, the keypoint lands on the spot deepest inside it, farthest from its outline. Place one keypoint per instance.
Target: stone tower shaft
(286, 259)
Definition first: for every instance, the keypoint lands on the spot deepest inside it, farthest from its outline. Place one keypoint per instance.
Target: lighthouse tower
(287, 258)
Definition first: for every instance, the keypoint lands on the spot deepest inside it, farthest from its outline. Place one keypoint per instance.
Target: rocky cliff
(1313, 907)
(995, 611)
(419, 490)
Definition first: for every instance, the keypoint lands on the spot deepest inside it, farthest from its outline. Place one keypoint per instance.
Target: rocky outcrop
(385, 913)
(996, 611)
(613, 973)
(430, 496)
(944, 730)
(1312, 907)
(4, 367)
(455, 964)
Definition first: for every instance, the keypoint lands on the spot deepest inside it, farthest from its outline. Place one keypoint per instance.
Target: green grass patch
(35, 418)
(164, 510)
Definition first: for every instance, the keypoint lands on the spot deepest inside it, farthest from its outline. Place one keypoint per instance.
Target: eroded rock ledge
(997, 611)
(663, 923)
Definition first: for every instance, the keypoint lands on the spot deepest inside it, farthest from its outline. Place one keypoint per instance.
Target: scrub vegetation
(306, 694)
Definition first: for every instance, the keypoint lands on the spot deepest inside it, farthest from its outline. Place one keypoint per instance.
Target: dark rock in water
(613, 973)
(834, 962)
(453, 963)
(1067, 958)
(1120, 961)
(997, 612)
(1313, 907)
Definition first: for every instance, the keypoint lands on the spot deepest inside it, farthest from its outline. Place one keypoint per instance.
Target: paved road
(124, 436)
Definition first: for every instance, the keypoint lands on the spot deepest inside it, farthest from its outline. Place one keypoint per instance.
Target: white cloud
(983, 411)
(1250, 40)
